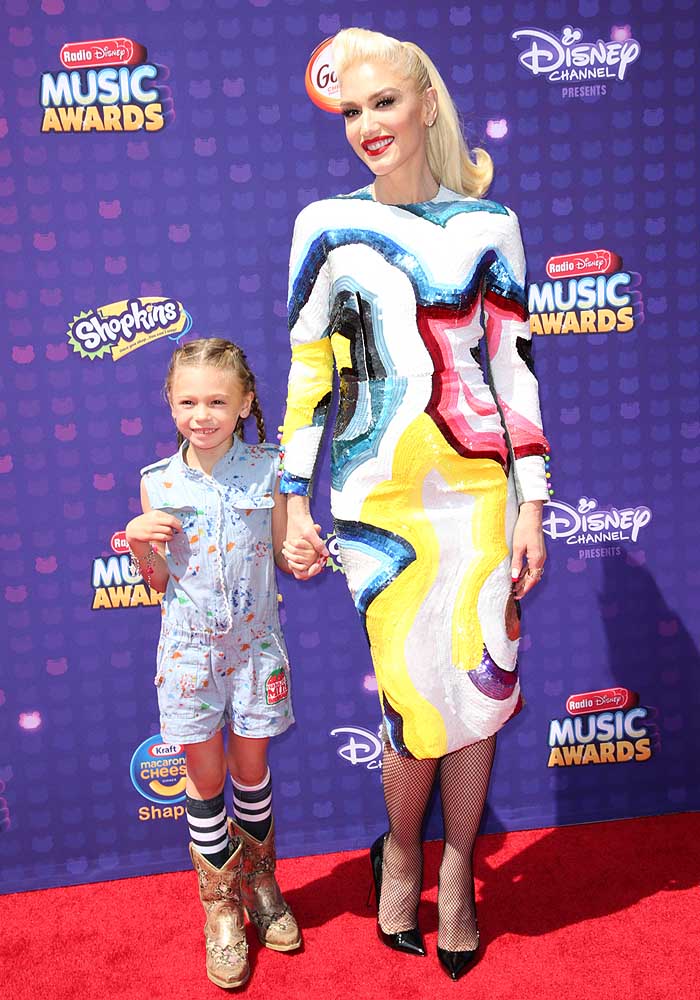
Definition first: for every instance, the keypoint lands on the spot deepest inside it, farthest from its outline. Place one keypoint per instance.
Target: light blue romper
(221, 656)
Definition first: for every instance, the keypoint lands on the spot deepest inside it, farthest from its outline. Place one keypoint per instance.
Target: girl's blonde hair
(449, 158)
(220, 354)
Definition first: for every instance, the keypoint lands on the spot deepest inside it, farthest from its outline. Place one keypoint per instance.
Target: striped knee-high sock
(252, 806)
(206, 819)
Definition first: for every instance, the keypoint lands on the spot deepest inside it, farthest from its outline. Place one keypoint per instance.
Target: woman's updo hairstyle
(449, 158)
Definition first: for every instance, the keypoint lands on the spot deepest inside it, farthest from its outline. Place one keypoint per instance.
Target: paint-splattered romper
(412, 304)
(221, 656)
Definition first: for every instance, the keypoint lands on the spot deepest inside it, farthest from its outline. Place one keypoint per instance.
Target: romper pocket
(251, 510)
(253, 501)
(272, 663)
(182, 676)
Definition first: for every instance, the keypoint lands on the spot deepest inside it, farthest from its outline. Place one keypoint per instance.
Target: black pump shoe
(456, 963)
(411, 941)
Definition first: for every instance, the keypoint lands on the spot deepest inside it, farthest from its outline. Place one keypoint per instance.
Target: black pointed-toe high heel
(456, 963)
(411, 941)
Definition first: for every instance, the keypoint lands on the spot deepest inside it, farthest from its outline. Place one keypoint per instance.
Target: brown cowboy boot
(224, 930)
(263, 901)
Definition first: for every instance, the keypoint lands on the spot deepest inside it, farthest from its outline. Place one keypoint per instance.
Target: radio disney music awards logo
(122, 327)
(587, 292)
(568, 59)
(603, 727)
(107, 85)
(115, 584)
(320, 79)
(587, 524)
(358, 746)
(158, 772)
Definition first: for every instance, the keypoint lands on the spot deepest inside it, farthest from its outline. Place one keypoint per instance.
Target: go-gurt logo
(121, 327)
(603, 727)
(569, 59)
(321, 80)
(589, 524)
(107, 86)
(588, 292)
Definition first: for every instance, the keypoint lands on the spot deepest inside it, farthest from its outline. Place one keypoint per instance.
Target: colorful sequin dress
(422, 310)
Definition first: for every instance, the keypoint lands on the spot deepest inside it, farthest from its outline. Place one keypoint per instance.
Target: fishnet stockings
(464, 780)
(407, 786)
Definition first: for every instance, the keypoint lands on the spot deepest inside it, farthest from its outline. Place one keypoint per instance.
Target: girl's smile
(206, 403)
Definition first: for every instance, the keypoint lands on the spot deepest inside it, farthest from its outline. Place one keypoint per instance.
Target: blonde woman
(413, 289)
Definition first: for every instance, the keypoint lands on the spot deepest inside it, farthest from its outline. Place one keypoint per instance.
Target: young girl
(212, 522)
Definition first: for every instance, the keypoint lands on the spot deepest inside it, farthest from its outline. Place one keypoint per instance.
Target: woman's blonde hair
(219, 353)
(449, 158)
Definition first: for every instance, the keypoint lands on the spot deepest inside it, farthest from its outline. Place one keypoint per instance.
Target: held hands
(303, 548)
(529, 553)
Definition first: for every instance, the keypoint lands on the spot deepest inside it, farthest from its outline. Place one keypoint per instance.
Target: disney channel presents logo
(359, 746)
(588, 292)
(602, 727)
(115, 584)
(158, 773)
(107, 85)
(122, 327)
(588, 524)
(582, 66)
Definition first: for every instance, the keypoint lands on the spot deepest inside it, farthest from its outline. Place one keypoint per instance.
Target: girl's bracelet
(146, 565)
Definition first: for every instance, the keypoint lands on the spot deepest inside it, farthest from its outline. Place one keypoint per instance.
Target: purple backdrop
(588, 114)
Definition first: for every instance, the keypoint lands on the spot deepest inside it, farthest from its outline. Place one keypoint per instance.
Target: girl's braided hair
(221, 354)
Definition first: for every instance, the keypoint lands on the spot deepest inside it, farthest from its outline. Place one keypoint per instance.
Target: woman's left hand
(529, 553)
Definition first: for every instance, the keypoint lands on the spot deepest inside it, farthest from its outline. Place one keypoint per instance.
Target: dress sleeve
(311, 374)
(510, 368)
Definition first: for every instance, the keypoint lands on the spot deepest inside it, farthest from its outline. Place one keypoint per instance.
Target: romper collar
(220, 469)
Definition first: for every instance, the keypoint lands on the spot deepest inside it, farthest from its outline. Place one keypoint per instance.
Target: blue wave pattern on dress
(394, 554)
(427, 290)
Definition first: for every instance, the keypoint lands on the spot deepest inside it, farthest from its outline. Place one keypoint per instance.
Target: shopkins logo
(117, 582)
(107, 86)
(568, 59)
(122, 327)
(589, 524)
(159, 773)
(602, 727)
(587, 292)
(321, 81)
(359, 747)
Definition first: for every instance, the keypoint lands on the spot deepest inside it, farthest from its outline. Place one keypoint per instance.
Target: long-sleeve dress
(422, 310)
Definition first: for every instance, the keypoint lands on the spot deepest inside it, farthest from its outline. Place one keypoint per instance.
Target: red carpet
(599, 912)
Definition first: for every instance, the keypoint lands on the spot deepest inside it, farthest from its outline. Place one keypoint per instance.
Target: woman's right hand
(303, 533)
(152, 527)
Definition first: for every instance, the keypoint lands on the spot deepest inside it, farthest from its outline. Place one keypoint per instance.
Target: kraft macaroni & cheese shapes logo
(158, 773)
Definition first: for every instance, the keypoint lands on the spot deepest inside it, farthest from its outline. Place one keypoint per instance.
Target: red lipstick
(377, 145)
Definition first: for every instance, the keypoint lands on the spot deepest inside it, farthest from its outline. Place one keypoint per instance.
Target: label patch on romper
(276, 687)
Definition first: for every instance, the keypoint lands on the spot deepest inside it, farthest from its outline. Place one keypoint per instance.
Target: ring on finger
(537, 573)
